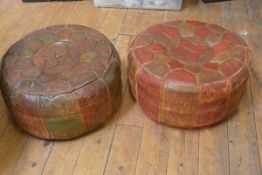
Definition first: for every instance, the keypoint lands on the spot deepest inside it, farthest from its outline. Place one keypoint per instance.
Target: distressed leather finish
(61, 81)
(188, 73)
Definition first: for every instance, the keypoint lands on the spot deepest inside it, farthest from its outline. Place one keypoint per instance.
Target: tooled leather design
(61, 81)
(57, 59)
(186, 59)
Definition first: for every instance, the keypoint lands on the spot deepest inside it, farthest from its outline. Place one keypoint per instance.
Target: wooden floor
(130, 143)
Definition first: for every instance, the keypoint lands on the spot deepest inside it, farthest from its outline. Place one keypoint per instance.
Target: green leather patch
(47, 38)
(61, 116)
(25, 53)
(66, 126)
(89, 55)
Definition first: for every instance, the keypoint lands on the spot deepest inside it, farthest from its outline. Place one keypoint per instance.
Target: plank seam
(198, 164)
(108, 154)
(70, 13)
(228, 152)
(47, 158)
(221, 21)
(128, 125)
(83, 139)
(20, 154)
(55, 11)
(138, 152)
(255, 122)
(126, 34)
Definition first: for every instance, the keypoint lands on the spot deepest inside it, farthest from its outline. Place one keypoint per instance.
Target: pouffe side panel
(222, 109)
(236, 95)
(192, 120)
(25, 110)
(238, 84)
(148, 93)
(28, 114)
(178, 104)
(203, 111)
(112, 80)
(209, 92)
(205, 114)
(94, 104)
(229, 101)
(212, 103)
(62, 116)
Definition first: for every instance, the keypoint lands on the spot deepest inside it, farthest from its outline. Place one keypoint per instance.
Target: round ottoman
(187, 73)
(61, 81)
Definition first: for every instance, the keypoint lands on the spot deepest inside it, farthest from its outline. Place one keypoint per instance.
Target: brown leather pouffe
(188, 73)
(62, 81)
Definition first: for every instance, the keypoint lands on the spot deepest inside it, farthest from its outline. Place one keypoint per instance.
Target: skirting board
(147, 4)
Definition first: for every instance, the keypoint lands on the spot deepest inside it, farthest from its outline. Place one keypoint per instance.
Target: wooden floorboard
(244, 157)
(122, 158)
(130, 143)
(251, 24)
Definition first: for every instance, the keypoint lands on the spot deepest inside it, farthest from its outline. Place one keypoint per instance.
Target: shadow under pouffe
(61, 81)
(187, 73)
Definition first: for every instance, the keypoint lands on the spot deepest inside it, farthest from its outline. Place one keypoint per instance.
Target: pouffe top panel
(57, 59)
(191, 53)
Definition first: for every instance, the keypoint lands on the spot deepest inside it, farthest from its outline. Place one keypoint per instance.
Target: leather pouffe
(61, 81)
(188, 74)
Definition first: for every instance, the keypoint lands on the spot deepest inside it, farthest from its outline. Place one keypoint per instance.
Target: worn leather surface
(61, 81)
(188, 73)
